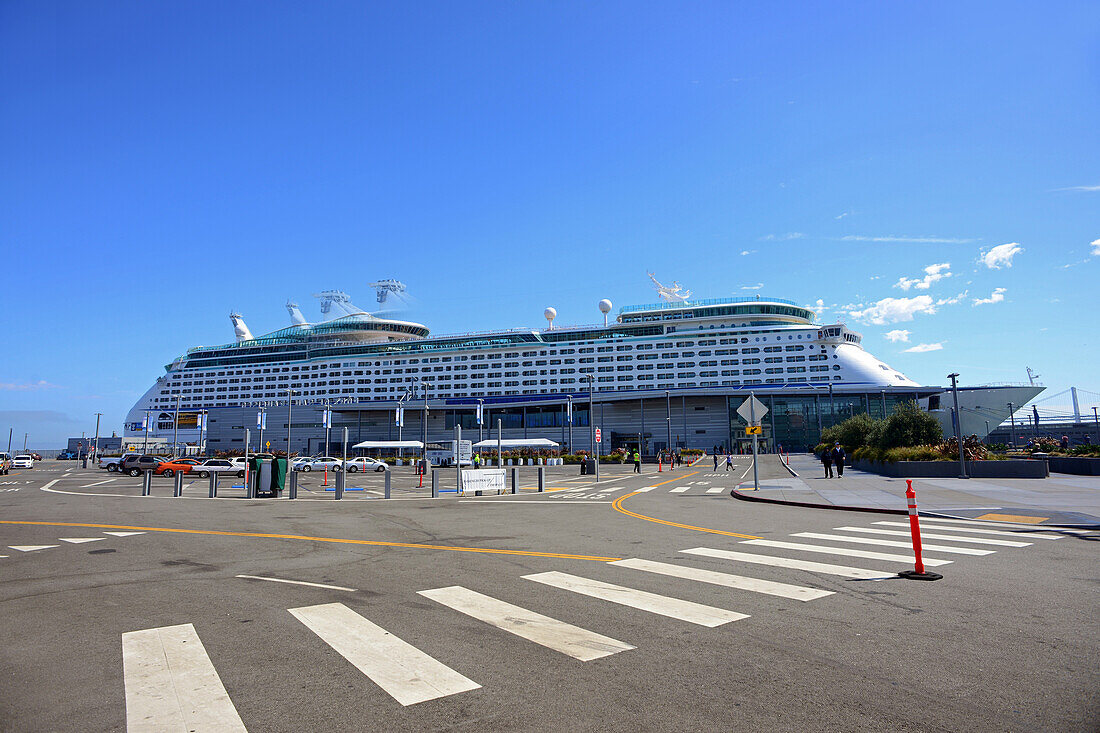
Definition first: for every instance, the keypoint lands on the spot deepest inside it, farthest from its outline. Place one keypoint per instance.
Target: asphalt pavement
(651, 602)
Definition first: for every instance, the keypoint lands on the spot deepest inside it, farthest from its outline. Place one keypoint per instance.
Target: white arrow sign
(746, 410)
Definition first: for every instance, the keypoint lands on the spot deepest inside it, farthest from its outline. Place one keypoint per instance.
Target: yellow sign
(269, 445)
(754, 430)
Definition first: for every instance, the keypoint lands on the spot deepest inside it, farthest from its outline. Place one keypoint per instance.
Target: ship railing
(704, 302)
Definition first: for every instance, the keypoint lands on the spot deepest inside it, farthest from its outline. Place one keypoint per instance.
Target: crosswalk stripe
(981, 523)
(171, 683)
(81, 540)
(826, 550)
(647, 488)
(122, 534)
(679, 490)
(557, 635)
(716, 490)
(695, 613)
(407, 674)
(31, 548)
(890, 543)
(975, 530)
(786, 562)
(769, 587)
(923, 535)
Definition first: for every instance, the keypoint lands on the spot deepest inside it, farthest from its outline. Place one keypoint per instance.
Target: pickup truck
(113, 464)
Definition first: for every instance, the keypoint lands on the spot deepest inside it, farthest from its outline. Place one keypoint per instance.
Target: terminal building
(664, 375)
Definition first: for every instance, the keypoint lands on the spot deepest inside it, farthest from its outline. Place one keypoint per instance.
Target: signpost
(752, 411)
(599, 439)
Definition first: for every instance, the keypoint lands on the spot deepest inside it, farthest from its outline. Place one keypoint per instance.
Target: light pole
(569, 416)
(176, 428)
(145, 444)
(668, 428)
(24, 442)
(832, 407)
(424, 427)
(1095, 419)
(1012, 421)
(204, 415)
(327, 420)
(480, 420)
(953, 376)
(592, 425)
(95, 453)
(261, 423)
(289, 422)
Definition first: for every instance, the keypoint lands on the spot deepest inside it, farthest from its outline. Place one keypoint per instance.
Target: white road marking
(771, 588)
(407, 674)
(826, 550)
(81, 540)
(31, 548)
(695, 613)
(296, 582)
(716, 490)
(786, 562)
(679, 490)
(123, 534)
(172, 685)
(647, 488)
(557, 635)
(528, 502)
(975, 530)
(890, 543)
(923, 535)
(98, 483)
(981, 523)
(46, 486)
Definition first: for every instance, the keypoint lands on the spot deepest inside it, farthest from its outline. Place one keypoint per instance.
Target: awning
(389, 444)
(524, 443)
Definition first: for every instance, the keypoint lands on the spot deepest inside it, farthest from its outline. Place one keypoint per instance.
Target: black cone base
(914, 575)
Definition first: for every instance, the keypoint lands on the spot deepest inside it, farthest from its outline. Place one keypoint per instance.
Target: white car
(365, 464)
(324, 463)
(22, 462)
(217, 465)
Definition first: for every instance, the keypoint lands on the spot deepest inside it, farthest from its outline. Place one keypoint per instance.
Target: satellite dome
(605, 306)
(550, 314)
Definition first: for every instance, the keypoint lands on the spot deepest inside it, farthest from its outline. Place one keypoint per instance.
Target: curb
(874, 510)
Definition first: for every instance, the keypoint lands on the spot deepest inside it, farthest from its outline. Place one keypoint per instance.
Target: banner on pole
(479, 413)
(399, 417)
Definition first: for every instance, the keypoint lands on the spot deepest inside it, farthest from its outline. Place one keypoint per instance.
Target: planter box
(1081, 466)
(950, 469)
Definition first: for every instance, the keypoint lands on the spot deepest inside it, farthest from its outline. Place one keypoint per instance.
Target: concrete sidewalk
(1060, 499)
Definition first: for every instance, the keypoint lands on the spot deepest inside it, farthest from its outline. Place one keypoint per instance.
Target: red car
(176, 465)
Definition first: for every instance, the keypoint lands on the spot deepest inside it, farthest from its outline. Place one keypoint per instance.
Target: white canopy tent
(389, 444)
(518, 443)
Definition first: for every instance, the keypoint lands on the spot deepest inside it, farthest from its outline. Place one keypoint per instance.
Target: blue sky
(165, 163)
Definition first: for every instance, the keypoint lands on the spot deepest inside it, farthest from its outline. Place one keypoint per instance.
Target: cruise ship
(711, 352)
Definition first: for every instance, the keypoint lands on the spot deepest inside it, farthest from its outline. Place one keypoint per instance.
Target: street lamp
(289, 422)
(953, 376)
(95, 454)
(668, 426)
(1012, 421)
(424, 423)
(569, 415)
(592, 424)
(1096, 420)
(176, 427)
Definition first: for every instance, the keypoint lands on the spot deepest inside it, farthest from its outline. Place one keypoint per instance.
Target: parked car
(36, 456)
(217, 465)
(323, 463)
(5, 463)
(135, 465)
(112, 463)
(363, 463)
(173, 466)
(22, 461)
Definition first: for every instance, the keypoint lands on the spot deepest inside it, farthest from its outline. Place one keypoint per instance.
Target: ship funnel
(296, 317)
(239, 329)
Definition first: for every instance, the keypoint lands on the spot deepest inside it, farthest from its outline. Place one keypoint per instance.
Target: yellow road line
(617, 505)
(376, 543)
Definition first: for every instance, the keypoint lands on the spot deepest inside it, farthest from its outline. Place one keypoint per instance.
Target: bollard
(339, 490)
(293, 484)
(213, 493)
(177, 486)
(435, 484)
(388, 476)
(542, 478)
(146, 483)
(249, 491)
(918, 573)
(326, 477)
(515, 480)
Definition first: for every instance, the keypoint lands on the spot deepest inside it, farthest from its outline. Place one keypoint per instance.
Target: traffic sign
(599, 437)
(750, 406)
(754, 430)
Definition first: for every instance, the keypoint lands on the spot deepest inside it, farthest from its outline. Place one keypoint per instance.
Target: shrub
(908, 426)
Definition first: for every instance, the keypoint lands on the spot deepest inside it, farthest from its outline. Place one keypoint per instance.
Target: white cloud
(911, 240)
(1000, 256)
(745, 252)
(752, 287)
(954, 300)
(782, 237)
(996, 297)
(1079, 188)
(932, 273)
(897, 335)
(922, 348)
(894, 310)
(29, 387)
(841, 216)
(819, 307)
(1095, 244)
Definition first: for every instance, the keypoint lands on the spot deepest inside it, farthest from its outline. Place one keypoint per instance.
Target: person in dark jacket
(838, 459)
(827, 461)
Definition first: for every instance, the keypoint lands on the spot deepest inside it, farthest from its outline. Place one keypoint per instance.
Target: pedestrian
(637, 462)
(827, 461)
(1065, 442)
(477, 460)
(716, 461)
(729, 462)
(838, 460)
(679, 458)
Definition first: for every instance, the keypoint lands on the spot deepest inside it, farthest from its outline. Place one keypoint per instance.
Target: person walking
(716, 461)
(838, 460)
(729, 462)
(477, 460)
(827, 461)
(637, 462)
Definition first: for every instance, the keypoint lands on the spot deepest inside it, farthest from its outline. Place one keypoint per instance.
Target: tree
(908, 426)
